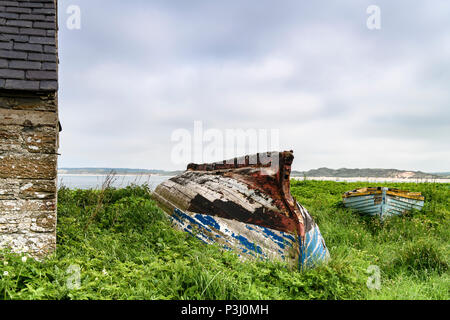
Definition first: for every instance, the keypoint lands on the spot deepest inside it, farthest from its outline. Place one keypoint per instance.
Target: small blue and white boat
(383, 202)
(245, 205)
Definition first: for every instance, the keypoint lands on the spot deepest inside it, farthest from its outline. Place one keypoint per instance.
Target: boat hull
(382, 202)
(245, 205)
(251, 241)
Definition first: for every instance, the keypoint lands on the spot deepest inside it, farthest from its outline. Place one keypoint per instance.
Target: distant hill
(372, 173)
(442, 174)
(116, 171)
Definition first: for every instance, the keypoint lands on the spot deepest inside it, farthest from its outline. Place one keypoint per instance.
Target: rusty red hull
(252, 190)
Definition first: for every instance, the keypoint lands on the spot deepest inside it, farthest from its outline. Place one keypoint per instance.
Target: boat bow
(240, 201)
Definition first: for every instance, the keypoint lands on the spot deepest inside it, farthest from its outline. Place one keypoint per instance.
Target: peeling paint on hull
(246, 208)
(253, 241)
(382, 202)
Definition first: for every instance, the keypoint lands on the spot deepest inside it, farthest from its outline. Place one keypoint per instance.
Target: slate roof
(28, 45)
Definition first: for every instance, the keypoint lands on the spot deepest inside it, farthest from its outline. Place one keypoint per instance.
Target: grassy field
(117, 244)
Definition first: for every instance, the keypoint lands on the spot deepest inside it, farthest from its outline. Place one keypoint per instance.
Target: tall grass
(125, 248)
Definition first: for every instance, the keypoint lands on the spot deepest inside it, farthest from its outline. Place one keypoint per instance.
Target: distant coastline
(370, 173)
(116, 174)
(316, 174)
(375, 179)
(116, 171)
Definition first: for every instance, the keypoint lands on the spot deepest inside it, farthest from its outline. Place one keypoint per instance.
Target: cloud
(340, 94)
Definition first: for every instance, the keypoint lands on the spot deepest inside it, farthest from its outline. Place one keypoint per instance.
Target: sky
(336, 92)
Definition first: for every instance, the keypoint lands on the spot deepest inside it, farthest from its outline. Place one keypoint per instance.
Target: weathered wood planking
(245, 205)
(383, 202)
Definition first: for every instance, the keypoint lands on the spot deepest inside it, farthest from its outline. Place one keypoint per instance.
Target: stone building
(29, 125)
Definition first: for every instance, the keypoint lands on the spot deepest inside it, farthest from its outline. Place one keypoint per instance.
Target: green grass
(125, 248)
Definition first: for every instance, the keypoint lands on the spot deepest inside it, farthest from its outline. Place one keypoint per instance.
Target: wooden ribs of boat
(245, 205)
(383, 201)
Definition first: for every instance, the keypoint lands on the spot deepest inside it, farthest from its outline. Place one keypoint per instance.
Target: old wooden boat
(383, 202)
(245, 205)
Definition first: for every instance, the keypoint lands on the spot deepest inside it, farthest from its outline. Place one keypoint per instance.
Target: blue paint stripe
(207, 227)
(208, 220)
(313, 250)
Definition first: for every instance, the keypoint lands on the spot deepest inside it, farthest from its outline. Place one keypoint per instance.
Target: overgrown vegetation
(123, 247)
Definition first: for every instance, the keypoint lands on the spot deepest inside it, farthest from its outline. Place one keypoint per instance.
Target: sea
(91, 181)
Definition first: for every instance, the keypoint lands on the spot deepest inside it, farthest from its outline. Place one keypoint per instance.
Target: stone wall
(28, 171)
